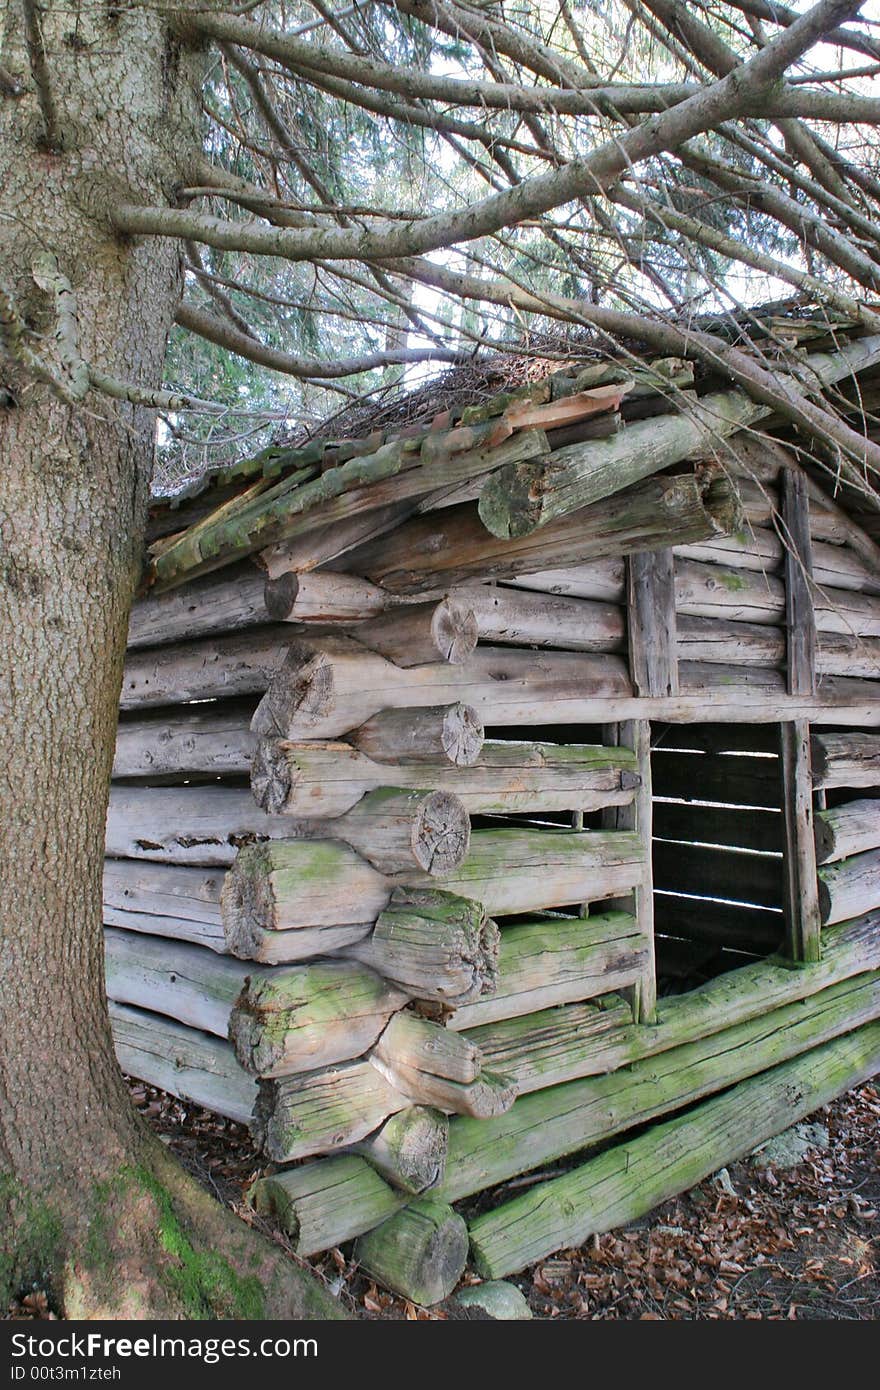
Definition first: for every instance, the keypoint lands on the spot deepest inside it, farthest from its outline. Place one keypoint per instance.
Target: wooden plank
(733, 875)
(800, 893)
(800, 619)
(651, 622)
(638, 817)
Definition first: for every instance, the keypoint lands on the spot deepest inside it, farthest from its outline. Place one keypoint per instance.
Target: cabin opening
(717, 849)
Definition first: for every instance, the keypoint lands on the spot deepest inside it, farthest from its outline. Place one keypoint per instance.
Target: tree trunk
(85, 1188)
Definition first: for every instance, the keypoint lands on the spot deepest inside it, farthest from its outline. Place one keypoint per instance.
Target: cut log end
(420, 1253)
(279, 596)
(271, 779)
(510, 503)
(454, 630)
(410, 1149)
(441, 833)
(462, 735)
(301, 693)
(244, 909)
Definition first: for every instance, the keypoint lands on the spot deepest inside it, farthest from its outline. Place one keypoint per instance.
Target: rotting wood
(420, 1252)
(215, 668)
(488, 1095)
(299, 1018)
(848, 829)
(185, 825)
(633, 1177)
(320, 1111)
(638, 816)
(651, 622)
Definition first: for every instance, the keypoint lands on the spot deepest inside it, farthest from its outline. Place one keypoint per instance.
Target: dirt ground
(755, 1241)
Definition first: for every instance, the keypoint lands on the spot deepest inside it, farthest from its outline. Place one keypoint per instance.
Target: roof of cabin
(440, 441)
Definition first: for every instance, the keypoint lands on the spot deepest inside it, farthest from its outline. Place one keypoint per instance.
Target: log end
(419, 1253)
(441, 833)
(462, 735)
(299, 695)
(279, 596)
(419, 1140)
(246, 909)
(269, 1199)
(510, 504)
(454, 630)
(271, 777)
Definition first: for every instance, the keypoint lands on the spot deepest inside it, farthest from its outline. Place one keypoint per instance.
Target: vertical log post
(800, 886)
(651, 622)
(638, 816)
(800, 619)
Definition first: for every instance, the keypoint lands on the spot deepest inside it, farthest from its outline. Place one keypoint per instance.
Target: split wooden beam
(800, 618)
(800, 896)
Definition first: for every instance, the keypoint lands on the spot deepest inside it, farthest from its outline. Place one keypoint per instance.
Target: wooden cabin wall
(594, 757)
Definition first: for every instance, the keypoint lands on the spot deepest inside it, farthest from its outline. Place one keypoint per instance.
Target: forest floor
(756, 1241)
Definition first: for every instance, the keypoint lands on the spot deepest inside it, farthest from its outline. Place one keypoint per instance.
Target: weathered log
(159, 899)
(556, 962)
(518, 618)
(799, 898)
(838, 655)
(190, 1065)
(757, 644)
(848, 829)
(845, 760)
(452, 546)
(549, 1123)
(219, 603)
(409, 1150)
(323, 1204)
(442, 733)
(187, 983)
(651, 622)
(849, 888)
(420, 1252)
(185, 825)
(522, 496)
(603, 579)
(319, 1111)
(216, 668)
(631, 1178)
(800, 617)
(286, 885)
(322, 597)
(415, 634)
(216, 741)
(308, 1016)
(489, 1095)
(324, 544)
(716, 591)
(310, 778)
(433, 944)
(561, 1044)
(422, 1045)
(400, 830)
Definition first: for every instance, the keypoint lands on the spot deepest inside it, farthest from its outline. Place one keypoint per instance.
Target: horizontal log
(183, 982)
(716, 591)
(849, 888)
(323, 1204)
(845, 760)
(190, 1065)
(759, 548)
(556, 962)
(440, 733)
(420, 1252)
(725, 925)
(420, 1044)
(182, 903)
(631, 1178)
(400, 830)
(556, 1045)
(707, 872)
(299, 1018)
(415, 634)
(185, 825)
(847, 829)
(220, 603)
(310, 778)
(484, 1098)
(516, 617)
(452, 546)
(216, 668)
(322, 1111)
(322, 597)
(409, 1150)
(603, 579)
(739, 827)
(433, 944)
(215, 740)
(548, 1124)
(839, 655)
(746, 644)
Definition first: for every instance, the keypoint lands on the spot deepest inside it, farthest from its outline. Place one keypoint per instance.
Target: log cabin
(502, 789)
